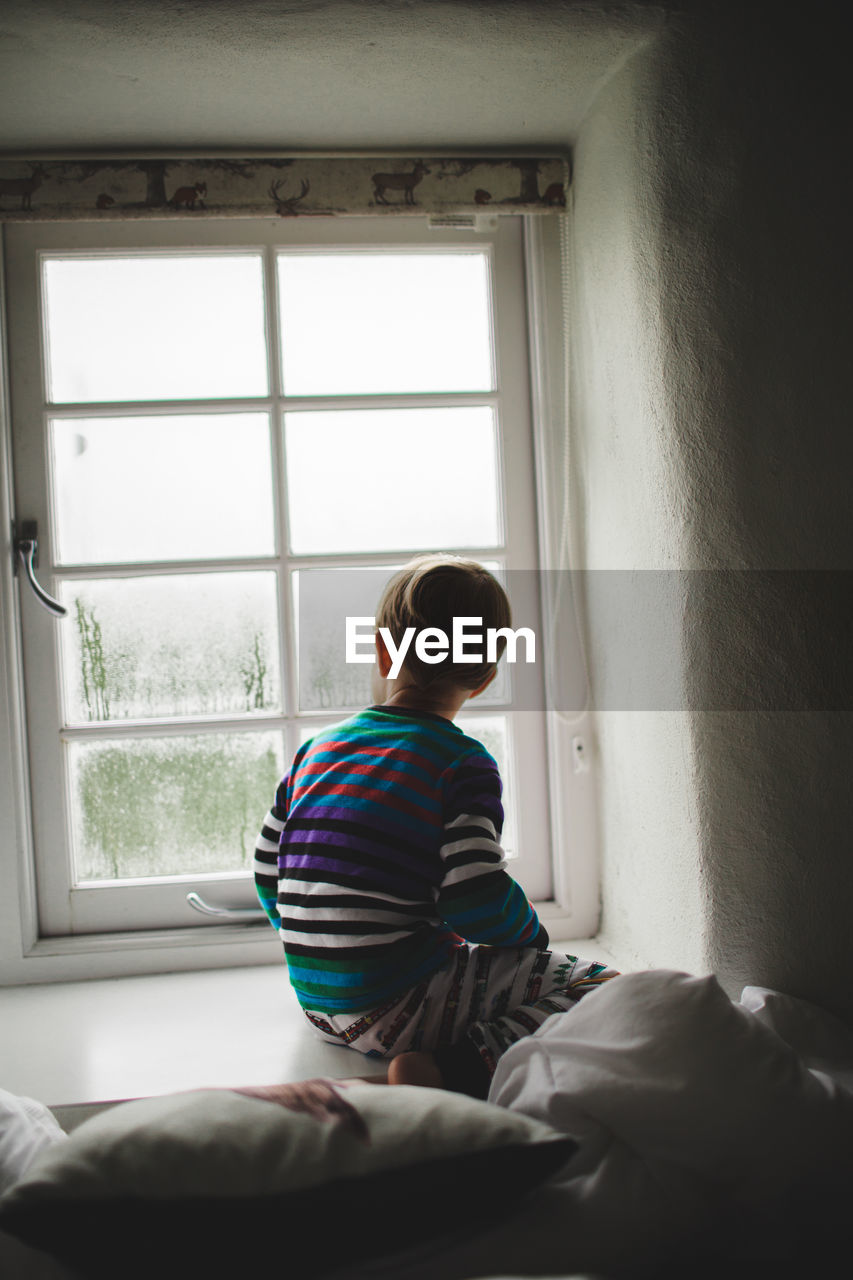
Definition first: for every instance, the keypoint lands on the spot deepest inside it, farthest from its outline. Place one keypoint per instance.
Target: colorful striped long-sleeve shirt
(381, 854)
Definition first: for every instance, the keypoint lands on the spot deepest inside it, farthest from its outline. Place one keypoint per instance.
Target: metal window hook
(26, 549)
(245, 915)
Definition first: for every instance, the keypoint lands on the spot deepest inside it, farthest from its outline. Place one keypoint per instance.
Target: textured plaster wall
(255, 74)
(711, 402)
(630, 500)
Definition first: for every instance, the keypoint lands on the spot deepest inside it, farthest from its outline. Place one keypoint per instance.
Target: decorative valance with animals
(295, 186)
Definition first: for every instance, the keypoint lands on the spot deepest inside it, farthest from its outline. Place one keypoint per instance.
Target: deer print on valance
(285, 187)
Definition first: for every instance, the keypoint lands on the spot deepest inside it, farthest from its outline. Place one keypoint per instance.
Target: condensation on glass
(170, 806)
(174, 645)
(323, 600)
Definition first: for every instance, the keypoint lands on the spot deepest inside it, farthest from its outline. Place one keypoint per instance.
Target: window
(224, 434)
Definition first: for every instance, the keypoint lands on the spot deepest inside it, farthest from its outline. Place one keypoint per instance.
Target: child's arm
(266, 856)
(477, 898)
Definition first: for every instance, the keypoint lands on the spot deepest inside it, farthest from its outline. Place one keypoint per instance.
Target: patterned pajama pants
(493, 996)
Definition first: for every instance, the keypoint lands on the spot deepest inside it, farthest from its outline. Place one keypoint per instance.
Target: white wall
(630, 501)
(710, 408)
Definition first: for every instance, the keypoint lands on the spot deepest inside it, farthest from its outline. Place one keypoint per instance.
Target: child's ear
(383, 657)
(480, 687)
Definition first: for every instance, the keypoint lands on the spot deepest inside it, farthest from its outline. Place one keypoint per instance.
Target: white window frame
(27, 953)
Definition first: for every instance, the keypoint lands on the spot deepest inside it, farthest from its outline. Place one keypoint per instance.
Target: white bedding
(699, 1119)
(26, 1127)
(706, 1127)
(713, 1137)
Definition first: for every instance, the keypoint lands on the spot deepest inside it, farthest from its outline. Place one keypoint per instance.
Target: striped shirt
(381, 854)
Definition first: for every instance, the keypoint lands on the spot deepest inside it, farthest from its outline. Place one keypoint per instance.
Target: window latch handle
(26, 550)
(244, 914)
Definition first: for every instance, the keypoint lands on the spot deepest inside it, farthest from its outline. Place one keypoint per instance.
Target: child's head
(432, 590)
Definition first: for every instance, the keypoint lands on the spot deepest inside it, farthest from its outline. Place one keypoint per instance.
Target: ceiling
(250, 75)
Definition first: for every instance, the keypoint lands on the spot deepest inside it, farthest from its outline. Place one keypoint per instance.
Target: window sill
(75, 1043)
(86, 957)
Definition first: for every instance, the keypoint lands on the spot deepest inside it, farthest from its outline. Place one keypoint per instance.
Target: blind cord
(565, 593)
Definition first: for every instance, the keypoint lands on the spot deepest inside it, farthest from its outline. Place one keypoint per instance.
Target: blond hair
(430, 591)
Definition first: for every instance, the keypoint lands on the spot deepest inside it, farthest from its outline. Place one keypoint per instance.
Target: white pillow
(692, 1084)
(215, 1182)
(821, 1040)
(26, 1127)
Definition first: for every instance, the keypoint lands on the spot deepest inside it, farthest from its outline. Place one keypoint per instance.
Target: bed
(658, 1129)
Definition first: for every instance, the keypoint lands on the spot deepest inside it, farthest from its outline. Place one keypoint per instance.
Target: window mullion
(154, 408)
(397, 400)
(172, 726)
(160, 568)
(287, 622)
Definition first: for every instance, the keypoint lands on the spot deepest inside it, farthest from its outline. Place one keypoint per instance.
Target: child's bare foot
(415, 1067)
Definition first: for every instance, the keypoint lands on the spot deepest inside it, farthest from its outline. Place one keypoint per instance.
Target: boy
(380, 863)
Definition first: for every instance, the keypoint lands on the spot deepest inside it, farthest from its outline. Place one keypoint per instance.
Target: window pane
(171, 806)
(154, 328)
(407, 479)
(323, 599)
(180, 645)
(167, 488)
(360, 323)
